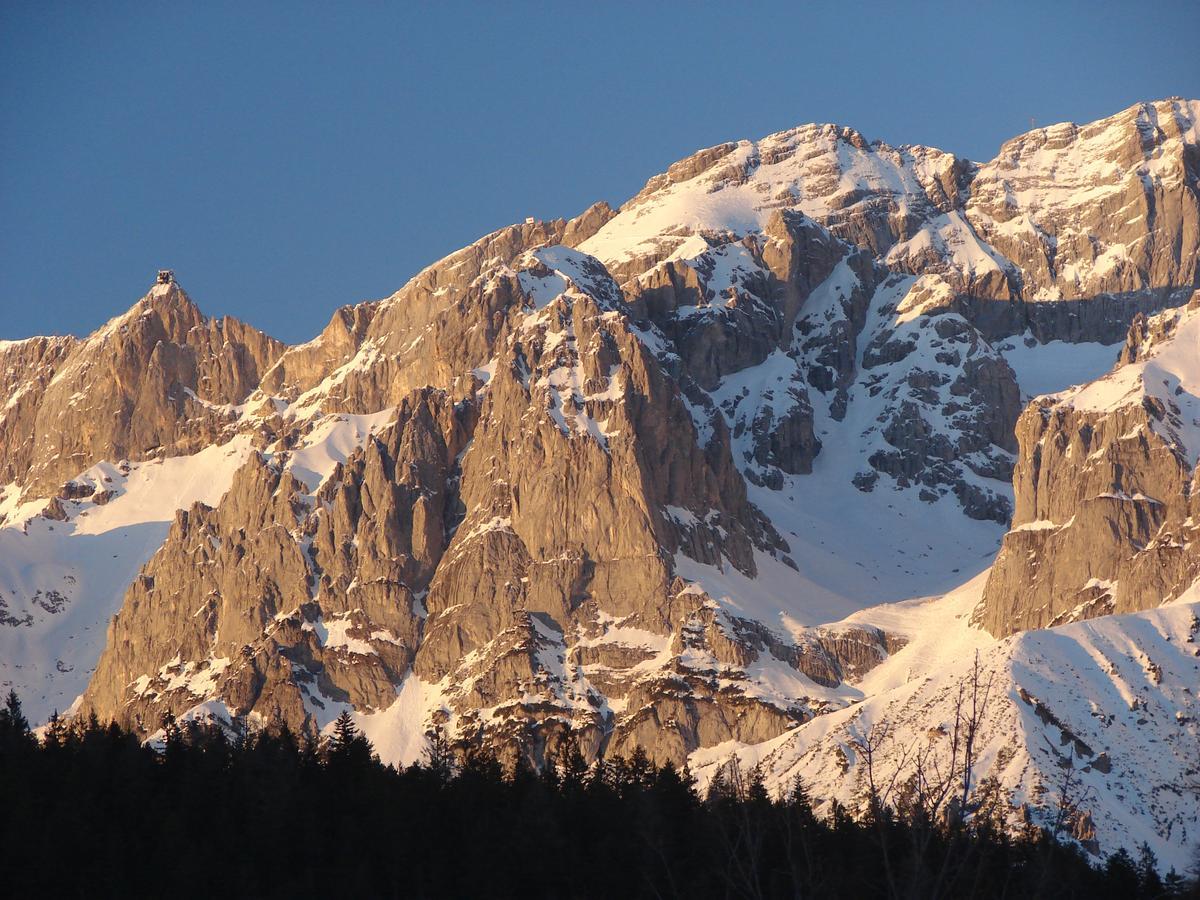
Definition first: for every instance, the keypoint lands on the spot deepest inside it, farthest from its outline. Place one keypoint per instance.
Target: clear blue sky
(288, 158)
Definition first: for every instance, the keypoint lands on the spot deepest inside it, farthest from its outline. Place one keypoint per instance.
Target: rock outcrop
(26, 369)
(160, 380)
(431, 331)
(1105, 488)
(279, 601)
(1112, 207)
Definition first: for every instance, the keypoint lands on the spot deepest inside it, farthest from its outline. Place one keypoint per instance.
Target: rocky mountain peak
(166, 312)
(644, 477)
(155, 380)
(1138, 130)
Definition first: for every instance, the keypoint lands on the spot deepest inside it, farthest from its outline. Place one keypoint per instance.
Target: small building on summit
(165, 276)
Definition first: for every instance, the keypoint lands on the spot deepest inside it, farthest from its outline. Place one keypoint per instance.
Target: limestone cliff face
(301, 368)
(505, 546)
(1103, 219)
(446, 317)
(158, 380)
(1112, 207)
(724, 251)
(483, 501)
(26, 368)
(1105, 489)
(280, 601)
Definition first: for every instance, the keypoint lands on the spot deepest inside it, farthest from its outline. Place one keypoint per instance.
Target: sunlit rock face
(623, 476)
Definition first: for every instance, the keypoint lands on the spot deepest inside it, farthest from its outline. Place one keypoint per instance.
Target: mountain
(722, 472)
(1104, 483)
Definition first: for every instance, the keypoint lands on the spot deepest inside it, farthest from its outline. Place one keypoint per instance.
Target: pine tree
(798, 794)
(1151, 883)
(439, 758)
(348, 746)
(674, 790)
(11, 716)
(617, 775)
(718, 787)
(172, 735)
(569, 766)
(481, 762)
(56, 732)
(641, 774)
(344, 731)
(1121, 874)
(15, 736)
(756, 790)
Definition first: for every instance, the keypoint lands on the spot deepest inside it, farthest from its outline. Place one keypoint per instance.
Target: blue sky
(285, 159)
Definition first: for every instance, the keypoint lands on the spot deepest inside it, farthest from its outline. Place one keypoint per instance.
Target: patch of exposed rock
(1105, 490)
(440, 325)
(279, 603)
(26, 368)
(160, 380)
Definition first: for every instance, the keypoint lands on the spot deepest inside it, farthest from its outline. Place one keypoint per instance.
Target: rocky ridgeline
(506, 545)
(578, 407)
(1066, 212)
(161, 380)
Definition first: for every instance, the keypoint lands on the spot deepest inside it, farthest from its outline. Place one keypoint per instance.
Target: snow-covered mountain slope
(63, 577)
(819, 170)
(1110, 701)
(1062, 212)
(1160, 365)
(647, 475)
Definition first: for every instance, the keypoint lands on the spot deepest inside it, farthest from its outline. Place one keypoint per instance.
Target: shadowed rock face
(573, 413)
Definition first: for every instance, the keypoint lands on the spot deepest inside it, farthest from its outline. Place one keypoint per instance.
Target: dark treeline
(90, 812)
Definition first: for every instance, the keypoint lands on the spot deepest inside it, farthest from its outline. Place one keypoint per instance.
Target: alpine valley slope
(646, 476)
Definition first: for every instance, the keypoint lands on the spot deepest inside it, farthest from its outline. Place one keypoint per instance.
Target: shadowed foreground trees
(90, 812)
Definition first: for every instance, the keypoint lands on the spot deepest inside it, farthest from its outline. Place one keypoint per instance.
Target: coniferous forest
(89, 811)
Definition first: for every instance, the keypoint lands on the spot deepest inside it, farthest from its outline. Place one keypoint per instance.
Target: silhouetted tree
(438, 754)
(287, 819)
